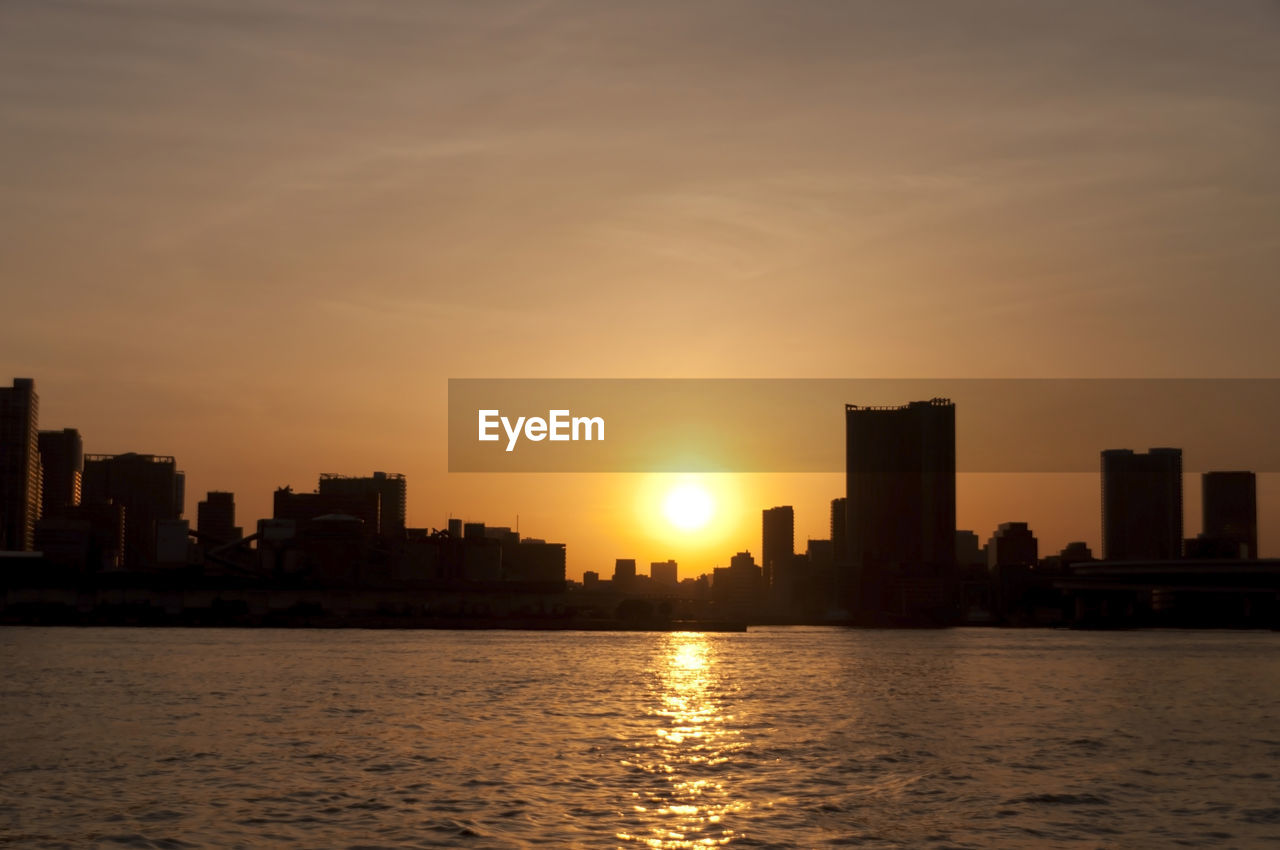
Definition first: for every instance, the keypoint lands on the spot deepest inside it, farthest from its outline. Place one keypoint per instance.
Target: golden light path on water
(693, 743)
(781, 737)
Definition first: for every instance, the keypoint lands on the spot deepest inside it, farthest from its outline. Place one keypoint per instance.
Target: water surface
(789, 737)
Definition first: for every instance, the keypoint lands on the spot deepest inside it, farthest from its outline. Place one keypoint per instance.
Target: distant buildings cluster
(894, 556)
(89, 514)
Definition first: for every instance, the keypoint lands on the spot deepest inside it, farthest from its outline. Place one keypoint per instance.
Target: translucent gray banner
(798, 425)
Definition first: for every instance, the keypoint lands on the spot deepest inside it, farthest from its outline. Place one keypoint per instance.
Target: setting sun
(692, 518)
(688, 507)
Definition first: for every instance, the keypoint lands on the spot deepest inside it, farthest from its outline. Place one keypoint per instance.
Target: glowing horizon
(262, 237)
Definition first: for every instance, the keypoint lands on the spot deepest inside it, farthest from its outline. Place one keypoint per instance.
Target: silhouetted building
(664, 573)
(534, 561)
(808, 594)
(591, 580)
(149, 487)
(1141, 504)
(525, 560)
(624, 574)
(88, 537)
(821, 556)
(1075, 552)
(969, 551)
(737, 587)
(391, 490)
(19, 465)
(901, 510)
(1012, 545)
(216, 517)
(839, 531)
(62, 469)
(503, 534)
(173, 542)
(778, 544)
(302, 507)
(1230, 512)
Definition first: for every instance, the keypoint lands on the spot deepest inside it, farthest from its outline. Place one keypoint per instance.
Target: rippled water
(789, 737)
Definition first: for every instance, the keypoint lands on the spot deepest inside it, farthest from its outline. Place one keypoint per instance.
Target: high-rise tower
(901, 507)
(1142, 505)
(62, 469)
(19, 465)
(778, 544)
(149, 487)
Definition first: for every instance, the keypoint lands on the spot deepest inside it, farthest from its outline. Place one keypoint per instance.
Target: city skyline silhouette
(1023, 496)
(895, 555)
(603, 425)
(209, 265)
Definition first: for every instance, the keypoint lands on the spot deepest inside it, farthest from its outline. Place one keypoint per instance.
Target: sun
(688, 507)
(691, 516)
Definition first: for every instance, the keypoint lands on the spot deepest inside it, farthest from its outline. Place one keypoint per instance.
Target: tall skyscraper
(1230, 510)
(1142, 505)
(62, 469)
(901, 507)
(778, 544)
(149, 487)
(19, 465)
(389, 486)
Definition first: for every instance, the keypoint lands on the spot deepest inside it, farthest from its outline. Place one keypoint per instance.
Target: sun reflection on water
(692, 745)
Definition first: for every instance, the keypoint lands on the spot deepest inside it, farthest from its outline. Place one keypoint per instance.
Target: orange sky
(262, 236)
